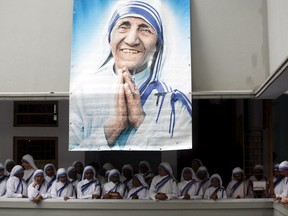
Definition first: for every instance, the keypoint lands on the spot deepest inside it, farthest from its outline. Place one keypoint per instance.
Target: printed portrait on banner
(130, 79)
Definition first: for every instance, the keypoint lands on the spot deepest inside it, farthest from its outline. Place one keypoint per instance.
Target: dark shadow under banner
(130, 79)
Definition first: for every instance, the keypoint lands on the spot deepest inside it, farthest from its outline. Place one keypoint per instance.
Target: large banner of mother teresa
(130, 80)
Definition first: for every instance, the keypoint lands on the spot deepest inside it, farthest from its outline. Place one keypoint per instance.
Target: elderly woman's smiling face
(133, 43)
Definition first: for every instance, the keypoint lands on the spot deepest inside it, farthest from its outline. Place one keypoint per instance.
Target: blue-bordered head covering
(141, 10)
(283, 166)
(38, 172)
(113, 172)
(50, 165)
(191, 170)
(166, 166)
(237, 171)
(61, 172)
(259, 167)
(218, 177)
(148, 13)
(71, 168)
(88, 169)
(276, 167)
(16, 170)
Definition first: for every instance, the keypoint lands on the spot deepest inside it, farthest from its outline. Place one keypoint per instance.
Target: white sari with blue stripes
(163, 184)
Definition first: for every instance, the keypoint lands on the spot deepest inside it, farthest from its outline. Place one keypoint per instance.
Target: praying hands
(128, 108)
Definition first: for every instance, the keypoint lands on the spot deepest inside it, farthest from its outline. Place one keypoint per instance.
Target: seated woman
(216, 190)
(37, 190)
(62, 187)
(140, 189)
(114, 188)
(89, 187)
(163, 185)
(189, 187)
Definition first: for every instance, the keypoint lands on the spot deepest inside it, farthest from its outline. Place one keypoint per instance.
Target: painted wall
(35, 45)
(278, 32)
(7, 132)
(229, 39)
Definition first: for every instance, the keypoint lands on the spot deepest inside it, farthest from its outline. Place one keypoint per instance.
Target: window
(35, 113)
(43, 149)
(253, 150)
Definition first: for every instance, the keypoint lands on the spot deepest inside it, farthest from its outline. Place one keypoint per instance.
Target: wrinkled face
(133, 43)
